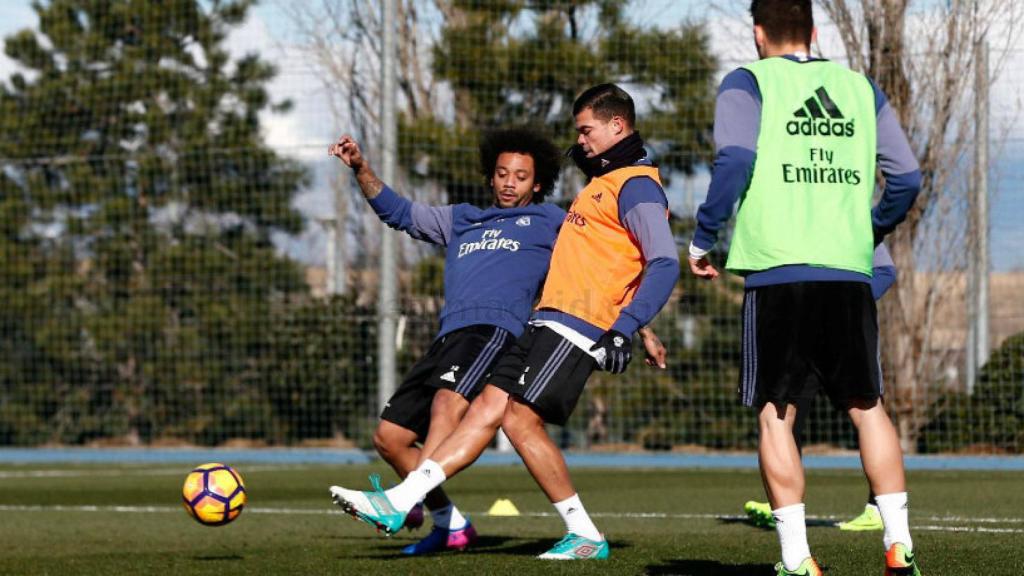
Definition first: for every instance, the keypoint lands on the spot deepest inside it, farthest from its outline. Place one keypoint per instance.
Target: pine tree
(139, 200)
(525, 62)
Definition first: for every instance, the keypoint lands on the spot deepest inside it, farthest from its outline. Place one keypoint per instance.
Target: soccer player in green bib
(798, 141)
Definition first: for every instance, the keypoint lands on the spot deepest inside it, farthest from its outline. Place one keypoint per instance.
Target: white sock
(576, 518)
(893, 508)
(448, 517)
(792, 528)
(428, 476)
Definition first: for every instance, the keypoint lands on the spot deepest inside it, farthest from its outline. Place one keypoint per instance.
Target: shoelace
(377, 498)
(375, 483)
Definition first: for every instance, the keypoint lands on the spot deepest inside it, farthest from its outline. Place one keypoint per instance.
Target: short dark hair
(547, 158)
(784, 20)
(607, 101)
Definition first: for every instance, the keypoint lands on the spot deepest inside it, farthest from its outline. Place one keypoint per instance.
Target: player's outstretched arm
(347, 150)
(428, 223)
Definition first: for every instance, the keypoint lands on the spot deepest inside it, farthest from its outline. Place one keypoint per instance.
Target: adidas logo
(820, 116)
(597, 197)
(522, 377)
(449, 376)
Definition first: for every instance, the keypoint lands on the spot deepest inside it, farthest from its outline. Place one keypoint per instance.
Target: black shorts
(808, 336)
(546, 372)
(460, 361)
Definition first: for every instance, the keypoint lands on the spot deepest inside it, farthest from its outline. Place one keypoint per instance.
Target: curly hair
(547, 158)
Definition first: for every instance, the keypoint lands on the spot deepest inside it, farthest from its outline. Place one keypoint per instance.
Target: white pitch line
(86, 508)
(969, 529)
(613, 515)
(14, 474)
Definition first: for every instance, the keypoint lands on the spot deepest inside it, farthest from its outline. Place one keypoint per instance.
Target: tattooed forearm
(369, 183)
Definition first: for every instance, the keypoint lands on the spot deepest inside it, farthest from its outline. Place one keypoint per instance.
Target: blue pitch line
(193, 456)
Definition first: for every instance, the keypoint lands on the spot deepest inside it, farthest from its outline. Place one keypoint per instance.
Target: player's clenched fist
(347, 149)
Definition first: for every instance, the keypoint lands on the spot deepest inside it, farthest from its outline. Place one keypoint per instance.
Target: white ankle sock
(893, 508)
(428, 476)
(792, 529)
(576, 518)
(449, 518)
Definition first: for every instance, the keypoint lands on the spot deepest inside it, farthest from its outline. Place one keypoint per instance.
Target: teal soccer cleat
(575, 547)
(372, 507)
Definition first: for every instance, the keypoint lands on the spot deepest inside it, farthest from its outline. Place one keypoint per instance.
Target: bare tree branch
(928, 81)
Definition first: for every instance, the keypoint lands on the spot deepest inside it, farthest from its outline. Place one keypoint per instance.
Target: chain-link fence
(182, 264)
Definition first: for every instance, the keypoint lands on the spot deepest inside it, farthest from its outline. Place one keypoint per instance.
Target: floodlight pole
(387, 305)
(978, 265)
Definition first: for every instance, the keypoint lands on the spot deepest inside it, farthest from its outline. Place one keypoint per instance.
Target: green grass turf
(290, 527)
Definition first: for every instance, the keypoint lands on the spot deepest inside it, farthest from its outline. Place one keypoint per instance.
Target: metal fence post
(978, 265)
(387, 307)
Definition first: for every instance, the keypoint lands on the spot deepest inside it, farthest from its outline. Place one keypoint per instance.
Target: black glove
(618, 351)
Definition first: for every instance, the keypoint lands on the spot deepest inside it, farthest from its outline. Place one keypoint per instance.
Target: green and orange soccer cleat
(807, 568)
(900, 562)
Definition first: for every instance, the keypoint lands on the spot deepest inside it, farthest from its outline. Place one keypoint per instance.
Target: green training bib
(809, 199)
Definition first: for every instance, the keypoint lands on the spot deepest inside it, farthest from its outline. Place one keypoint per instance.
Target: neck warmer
(626, 153)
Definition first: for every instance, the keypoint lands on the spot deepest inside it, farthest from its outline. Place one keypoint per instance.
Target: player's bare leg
(783, 475)
(452, 531)
(525, 429)
(880, 451)
(882, 459)
(781, 469)
(462, 448)
(397, 446)
(446, 412)
(473, 434)
(546, 463)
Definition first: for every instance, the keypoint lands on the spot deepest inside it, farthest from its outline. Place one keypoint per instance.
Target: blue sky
(305, 133)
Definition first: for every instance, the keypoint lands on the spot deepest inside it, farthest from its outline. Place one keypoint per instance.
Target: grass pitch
(128, 520)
